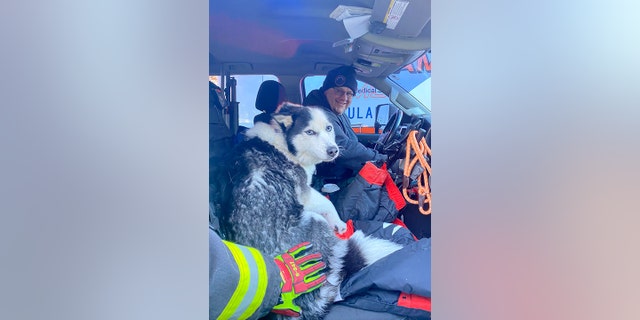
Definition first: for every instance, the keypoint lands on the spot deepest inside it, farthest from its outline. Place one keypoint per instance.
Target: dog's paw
(335, 223)
(340, 227)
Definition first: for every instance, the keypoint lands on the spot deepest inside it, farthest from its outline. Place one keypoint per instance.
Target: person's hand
(300, 273)
(380, 159)
(384, 158)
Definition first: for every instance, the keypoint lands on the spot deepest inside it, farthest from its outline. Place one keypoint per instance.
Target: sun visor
(384, 38)
(400, 18)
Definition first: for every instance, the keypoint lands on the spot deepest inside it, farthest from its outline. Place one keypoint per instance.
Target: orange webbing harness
(421, 150)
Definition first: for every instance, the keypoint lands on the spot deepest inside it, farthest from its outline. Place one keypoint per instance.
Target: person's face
(339, 98)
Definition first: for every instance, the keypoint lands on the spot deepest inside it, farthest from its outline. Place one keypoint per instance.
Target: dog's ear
(283, 120)
(285, 116)
(290, 108)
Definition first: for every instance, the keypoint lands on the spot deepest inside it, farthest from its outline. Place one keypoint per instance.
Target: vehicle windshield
(415, 78)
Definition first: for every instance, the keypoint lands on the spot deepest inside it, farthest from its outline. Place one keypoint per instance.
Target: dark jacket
(353, 154)
(399, 283)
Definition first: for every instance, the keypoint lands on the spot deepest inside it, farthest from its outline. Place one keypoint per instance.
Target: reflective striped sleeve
(242, 283)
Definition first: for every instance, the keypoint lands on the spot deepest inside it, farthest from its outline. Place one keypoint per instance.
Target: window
(246, 92)
(415, 78)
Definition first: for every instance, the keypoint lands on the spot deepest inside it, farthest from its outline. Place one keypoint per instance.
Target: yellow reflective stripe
(247, 299)
(262, 284)
(243, 282)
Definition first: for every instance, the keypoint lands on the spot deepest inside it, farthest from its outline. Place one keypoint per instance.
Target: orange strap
(347, 233)
(421, 150)
(414, 301)
(381, 177)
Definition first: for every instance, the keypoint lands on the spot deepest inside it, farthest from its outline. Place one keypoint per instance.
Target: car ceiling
(293, 37)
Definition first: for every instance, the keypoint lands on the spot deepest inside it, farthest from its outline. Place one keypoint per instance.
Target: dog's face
(309, 134)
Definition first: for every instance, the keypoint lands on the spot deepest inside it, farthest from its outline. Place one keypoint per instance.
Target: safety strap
(381, 177)
(421, 150)
(414, 301)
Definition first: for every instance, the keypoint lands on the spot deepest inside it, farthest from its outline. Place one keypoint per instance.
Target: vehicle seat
(220, 142)
(271, 95)
(220, 136)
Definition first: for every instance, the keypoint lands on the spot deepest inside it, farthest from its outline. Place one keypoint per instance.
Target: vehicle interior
(294, 40)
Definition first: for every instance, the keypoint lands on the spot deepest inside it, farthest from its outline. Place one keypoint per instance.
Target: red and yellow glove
(300, 274)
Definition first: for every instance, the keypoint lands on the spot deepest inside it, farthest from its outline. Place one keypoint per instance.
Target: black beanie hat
(270, 95)
(344, 76)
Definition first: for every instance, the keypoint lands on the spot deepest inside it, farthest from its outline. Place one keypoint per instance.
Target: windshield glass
(415, 78)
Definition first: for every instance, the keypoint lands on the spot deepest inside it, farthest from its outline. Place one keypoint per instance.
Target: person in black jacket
(335, 95)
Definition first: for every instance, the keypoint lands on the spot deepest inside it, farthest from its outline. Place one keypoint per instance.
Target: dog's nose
(332, 151)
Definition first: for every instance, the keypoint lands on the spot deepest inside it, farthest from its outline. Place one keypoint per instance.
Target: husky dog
(273, 208)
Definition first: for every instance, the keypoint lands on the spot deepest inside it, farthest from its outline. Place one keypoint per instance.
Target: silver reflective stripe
(251, 286)
(252, 289)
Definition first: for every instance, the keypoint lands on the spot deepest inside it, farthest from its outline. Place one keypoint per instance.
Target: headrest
(270, 95)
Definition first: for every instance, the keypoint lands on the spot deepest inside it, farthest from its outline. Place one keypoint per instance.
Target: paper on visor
(357, 26)
(344, 12)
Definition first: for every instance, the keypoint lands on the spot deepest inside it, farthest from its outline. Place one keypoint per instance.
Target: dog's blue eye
(329, 128)
(310, 132)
